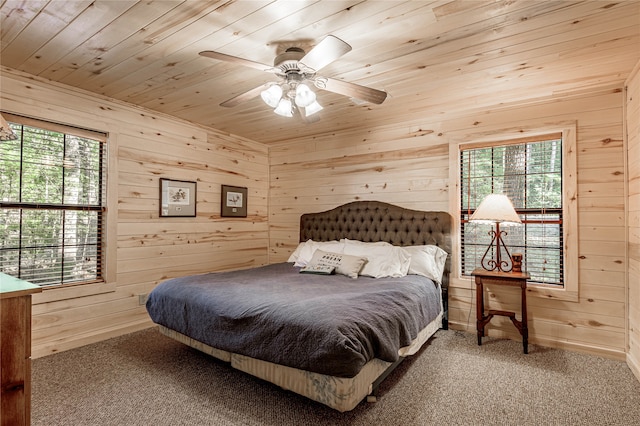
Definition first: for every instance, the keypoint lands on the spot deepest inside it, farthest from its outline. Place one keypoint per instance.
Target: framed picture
(234, 201)
(177, 198)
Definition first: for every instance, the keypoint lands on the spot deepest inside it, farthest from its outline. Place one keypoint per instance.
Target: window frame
(501, 137)
(528, 215)
(91, 286)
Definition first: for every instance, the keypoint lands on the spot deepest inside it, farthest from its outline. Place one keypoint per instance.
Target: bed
(331, 338)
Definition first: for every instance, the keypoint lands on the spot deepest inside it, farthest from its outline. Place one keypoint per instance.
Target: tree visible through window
(51, 203)
(530, 174)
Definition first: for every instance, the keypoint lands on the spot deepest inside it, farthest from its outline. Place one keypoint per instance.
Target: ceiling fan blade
(325, 52)
(246, 96)
(235, 60)
(352, 90)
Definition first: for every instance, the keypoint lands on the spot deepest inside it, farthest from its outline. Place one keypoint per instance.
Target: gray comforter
(325, 324)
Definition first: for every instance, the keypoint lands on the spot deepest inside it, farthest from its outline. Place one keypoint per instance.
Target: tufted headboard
(373, 221)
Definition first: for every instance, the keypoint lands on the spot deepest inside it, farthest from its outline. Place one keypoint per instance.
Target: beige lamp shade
(496, 208)
(6, 133)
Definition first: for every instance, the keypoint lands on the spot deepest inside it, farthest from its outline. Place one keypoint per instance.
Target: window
(530, 173)
(52, 195)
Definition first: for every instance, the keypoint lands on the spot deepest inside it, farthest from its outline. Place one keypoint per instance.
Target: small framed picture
(234, 201)
(177, 198)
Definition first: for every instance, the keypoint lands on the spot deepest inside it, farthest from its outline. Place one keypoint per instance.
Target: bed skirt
(339, 393)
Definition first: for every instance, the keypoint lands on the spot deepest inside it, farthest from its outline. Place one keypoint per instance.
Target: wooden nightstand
(514, 279)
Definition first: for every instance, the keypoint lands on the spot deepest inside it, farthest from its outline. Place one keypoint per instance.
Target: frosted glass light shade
(272, 95)
(304, 96)
(496, 208)
(284, 108)
(312, 109)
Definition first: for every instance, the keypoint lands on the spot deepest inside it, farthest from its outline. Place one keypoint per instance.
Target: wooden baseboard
(463, 326)
(604, 352)
(634, 365)
(54, 347)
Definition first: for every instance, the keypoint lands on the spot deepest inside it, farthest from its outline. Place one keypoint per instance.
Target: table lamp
(496, 208)
(6, 133)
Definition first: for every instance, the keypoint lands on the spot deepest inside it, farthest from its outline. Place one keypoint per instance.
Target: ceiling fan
(297, 69)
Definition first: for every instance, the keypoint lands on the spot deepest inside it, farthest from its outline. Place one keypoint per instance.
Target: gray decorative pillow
(344, 263)
(309, 247)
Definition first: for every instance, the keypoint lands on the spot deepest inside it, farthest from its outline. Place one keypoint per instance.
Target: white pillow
(383, 259)
(296, 253)
(344, 263)
(427, 261)
(310, 246)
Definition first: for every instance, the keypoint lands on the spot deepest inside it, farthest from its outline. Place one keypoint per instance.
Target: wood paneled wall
(409, 164)
(144, 249)
(406, 163)
(632, 113)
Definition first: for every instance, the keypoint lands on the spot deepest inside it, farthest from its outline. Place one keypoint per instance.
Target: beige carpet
(147, 379)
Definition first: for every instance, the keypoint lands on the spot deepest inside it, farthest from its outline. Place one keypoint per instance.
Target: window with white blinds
(529, 172)
(52, 195)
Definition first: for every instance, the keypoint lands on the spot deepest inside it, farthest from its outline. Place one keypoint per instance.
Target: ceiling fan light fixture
(284, 108)
(304, 96)
(297, 70)
(272, 95)
(312, 109)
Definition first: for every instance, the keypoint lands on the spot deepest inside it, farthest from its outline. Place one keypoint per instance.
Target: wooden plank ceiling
(432, 57)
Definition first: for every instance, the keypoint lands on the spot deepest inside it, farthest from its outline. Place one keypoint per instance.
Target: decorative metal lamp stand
(496, 209)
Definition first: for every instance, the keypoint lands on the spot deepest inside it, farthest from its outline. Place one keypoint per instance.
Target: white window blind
(52, 194)
(529, 172)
